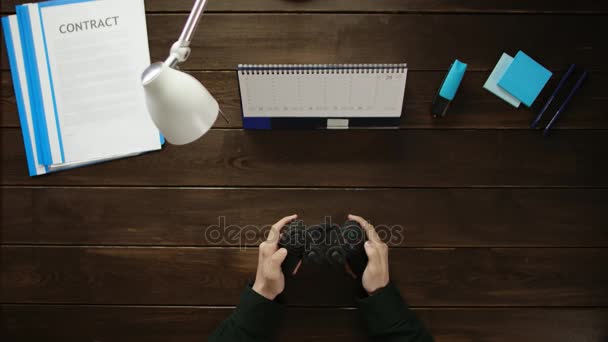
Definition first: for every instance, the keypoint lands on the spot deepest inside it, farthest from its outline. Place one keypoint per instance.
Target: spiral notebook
(322, 96)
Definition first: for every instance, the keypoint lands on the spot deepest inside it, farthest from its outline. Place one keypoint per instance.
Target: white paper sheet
(96, 52)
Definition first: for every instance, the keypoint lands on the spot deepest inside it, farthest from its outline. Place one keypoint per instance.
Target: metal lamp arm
(180, 51)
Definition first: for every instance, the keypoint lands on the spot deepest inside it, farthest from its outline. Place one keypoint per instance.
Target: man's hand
(269, 279)
(376, 274)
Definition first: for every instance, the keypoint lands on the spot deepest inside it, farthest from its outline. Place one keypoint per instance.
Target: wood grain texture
(193, 217)
(473, 108)
(535, 6)
(215, 276)
(345, 159)
(425, 42)
(151, 324)
(503, 234)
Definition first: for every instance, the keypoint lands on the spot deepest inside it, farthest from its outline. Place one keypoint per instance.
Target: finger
(370, 231)
(350, 271)
(266, 250)
(372, 253)
(275, 230)
(295, 270)
(277, 259)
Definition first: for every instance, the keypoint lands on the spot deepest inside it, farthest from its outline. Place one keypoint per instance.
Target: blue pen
(577, 86)
(559, 87)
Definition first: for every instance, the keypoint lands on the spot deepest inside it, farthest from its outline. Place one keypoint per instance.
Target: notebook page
(96, 53)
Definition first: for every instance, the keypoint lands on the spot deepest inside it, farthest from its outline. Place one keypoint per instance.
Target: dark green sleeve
(389, 319)
(255, 319)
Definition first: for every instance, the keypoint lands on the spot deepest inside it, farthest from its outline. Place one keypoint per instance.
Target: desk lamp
(180, 106)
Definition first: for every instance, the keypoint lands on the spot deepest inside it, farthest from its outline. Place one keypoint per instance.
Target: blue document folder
(76, 107)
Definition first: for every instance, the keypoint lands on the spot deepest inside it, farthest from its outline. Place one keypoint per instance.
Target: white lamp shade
(180, 106)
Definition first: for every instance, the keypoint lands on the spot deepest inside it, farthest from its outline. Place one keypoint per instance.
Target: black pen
(577, 86)
(559, 87)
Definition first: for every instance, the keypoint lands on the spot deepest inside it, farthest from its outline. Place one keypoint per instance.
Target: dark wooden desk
(505, 232)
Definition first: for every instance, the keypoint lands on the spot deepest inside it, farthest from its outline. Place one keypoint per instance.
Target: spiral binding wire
(319, 69)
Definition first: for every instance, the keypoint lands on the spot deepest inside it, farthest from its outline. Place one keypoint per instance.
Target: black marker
(577, 86)
(559, 87)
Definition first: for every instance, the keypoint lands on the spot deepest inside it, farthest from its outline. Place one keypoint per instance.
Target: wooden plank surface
(382, 38)
(318, 159)
(534, 6)
(103, 323)
(503, 233)
(414, 217)
(334, 38)
(215, 276)
(473, 108)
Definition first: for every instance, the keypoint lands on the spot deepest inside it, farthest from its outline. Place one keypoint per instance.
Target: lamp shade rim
(151, 73)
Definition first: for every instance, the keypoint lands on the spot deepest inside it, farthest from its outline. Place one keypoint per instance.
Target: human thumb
(370, 250)
(278, 257)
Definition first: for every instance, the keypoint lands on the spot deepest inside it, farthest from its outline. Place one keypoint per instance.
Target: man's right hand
(376, 275)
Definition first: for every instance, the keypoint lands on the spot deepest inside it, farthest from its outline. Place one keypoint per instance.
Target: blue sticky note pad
(492, 82)
(524, 79)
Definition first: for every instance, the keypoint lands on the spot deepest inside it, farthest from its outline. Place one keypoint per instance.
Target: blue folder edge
(10, 49)
(33, 84)
(40, 123)
(51, 3)
(48, 65)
